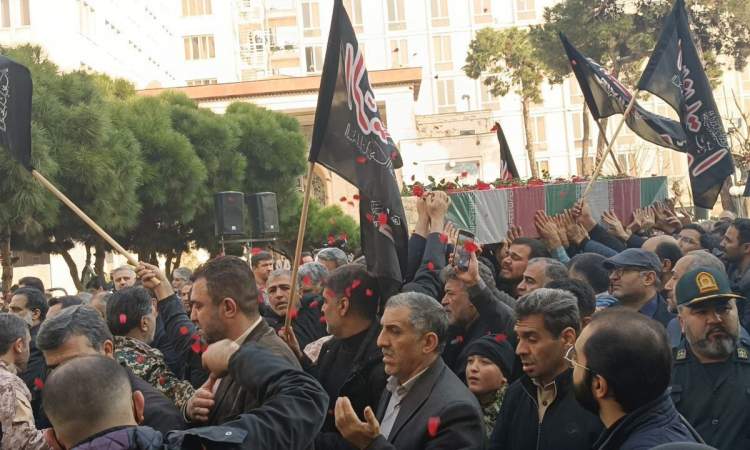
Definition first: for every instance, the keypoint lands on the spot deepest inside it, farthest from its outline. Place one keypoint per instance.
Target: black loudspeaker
(264, 215)
(229, 209)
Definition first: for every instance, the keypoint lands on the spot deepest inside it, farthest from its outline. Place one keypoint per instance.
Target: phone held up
(462, 256)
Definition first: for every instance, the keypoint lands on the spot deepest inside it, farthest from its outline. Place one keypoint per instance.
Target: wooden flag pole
(89, 221)
(298, 248)
(611, 143)
(611, 152)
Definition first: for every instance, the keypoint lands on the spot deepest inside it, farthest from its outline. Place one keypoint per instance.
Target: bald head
(102, 396)
(652, 243)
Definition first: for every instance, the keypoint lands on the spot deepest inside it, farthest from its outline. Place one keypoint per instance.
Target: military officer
(711, 375)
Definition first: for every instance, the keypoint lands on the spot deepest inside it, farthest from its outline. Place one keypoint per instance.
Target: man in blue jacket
(622, 365)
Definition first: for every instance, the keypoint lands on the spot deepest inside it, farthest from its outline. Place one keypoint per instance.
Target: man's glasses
(571, 356)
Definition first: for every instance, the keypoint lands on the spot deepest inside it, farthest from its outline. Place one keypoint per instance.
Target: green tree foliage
(508, 60)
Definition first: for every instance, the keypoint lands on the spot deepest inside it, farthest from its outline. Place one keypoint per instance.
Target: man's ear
(18, 345)
(344, 305)
(568, 336)
(599, 387)
(431, 343)
(229, 307)
(109, 348)
(139, 404)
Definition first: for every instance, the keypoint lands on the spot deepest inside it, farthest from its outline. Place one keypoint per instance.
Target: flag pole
(90, 222)
(298, 248)
(611, 143)
(611, 152)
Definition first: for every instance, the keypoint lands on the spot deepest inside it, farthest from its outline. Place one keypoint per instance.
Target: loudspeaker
(229, 209)
(264, 214)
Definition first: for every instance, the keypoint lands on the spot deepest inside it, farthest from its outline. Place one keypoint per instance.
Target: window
(538, 133)
(311, 18)
(446, 97)
(399, 52)
(626, 137)
(25, 14)
(87, 19)
(628, 162)
(196, 8)
(576, 96)
(440, 13)
(199, 47)
(482, 11)
(201, 82)
(396, 15)
(314, 58)
(542, 167)
(489, 101)
(525, 10)
(5, 10)
(442, 52)
(576, 119)
(354, 9)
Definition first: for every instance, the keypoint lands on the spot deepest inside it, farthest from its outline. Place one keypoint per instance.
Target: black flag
(350, 139)
(606, 96)
(508, 169)
(15, 110)
(675, 73)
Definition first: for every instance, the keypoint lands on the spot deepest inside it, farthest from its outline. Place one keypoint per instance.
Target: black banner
(675, 73)
(508, 169)
(350, 139)
(606, 96)
(15, 110)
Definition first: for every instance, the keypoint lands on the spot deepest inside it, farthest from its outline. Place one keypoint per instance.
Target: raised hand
(547, 230)
(614, 225)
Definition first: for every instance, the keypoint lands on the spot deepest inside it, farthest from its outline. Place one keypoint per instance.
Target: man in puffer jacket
(91, 406)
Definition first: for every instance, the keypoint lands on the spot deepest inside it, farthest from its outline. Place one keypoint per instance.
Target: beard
(583, 394)
(716, 348)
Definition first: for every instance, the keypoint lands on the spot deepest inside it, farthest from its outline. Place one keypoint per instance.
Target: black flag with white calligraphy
(508, 169)
(350, 139)
(15, 110)
(606, 96)
(675, 73)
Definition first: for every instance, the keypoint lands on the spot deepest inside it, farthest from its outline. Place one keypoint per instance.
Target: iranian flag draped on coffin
(489, 213)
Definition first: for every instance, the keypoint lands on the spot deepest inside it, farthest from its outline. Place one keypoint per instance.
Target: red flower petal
(255, 250)
(344, 237)
(369, 217)
(123, 319)
(348, 291)
(196, 347)
(433, 423)
(430, 266)
(162, 380)
(443, 238)
(38, 384)
(342, 199)
(314, 304)
(501, 337)
(356, 283)
(331, 240)
(361, 160)
(322, 319)
(293, 313)
(417, 190)
(306, 280)
(383, 218)
(368, 292)
(470, 246)
(140, 359)
(184, 330)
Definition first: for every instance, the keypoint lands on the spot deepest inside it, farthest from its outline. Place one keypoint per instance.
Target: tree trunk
(99, 257)
(7, 260)
(585, 169)
(525, 102)
(726, 198)
(72, 268)
(168, 265)
(88, 260)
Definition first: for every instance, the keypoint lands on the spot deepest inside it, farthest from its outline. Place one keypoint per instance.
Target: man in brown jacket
(225, 306)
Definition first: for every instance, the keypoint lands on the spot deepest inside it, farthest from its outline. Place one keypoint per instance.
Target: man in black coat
(79, 331)
(424, 406)
(106, 413)
(349, 364)
(540, 410)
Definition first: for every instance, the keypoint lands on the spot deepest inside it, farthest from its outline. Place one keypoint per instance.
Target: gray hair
(80, 320)
(124, 268)
(333, 254)
(425, 314)
(315, 271)
(182, 272)
(703, 258)
(559, 309)
(12, 328)
(554, 270)
(280, 273)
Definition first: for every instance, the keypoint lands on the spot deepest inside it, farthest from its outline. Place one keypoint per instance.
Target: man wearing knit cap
(635, 280)
(488, 368)
(474, 310)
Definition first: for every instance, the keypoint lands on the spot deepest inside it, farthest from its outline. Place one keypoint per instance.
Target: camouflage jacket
(491, 410)
(148, 364)
(16, 417)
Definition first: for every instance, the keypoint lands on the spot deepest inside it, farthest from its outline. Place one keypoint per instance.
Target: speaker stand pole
(298, 250)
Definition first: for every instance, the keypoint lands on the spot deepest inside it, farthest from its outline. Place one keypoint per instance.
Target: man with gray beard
(711, 371)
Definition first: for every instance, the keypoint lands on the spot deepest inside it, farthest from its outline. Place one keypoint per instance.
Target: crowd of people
(588, 335)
